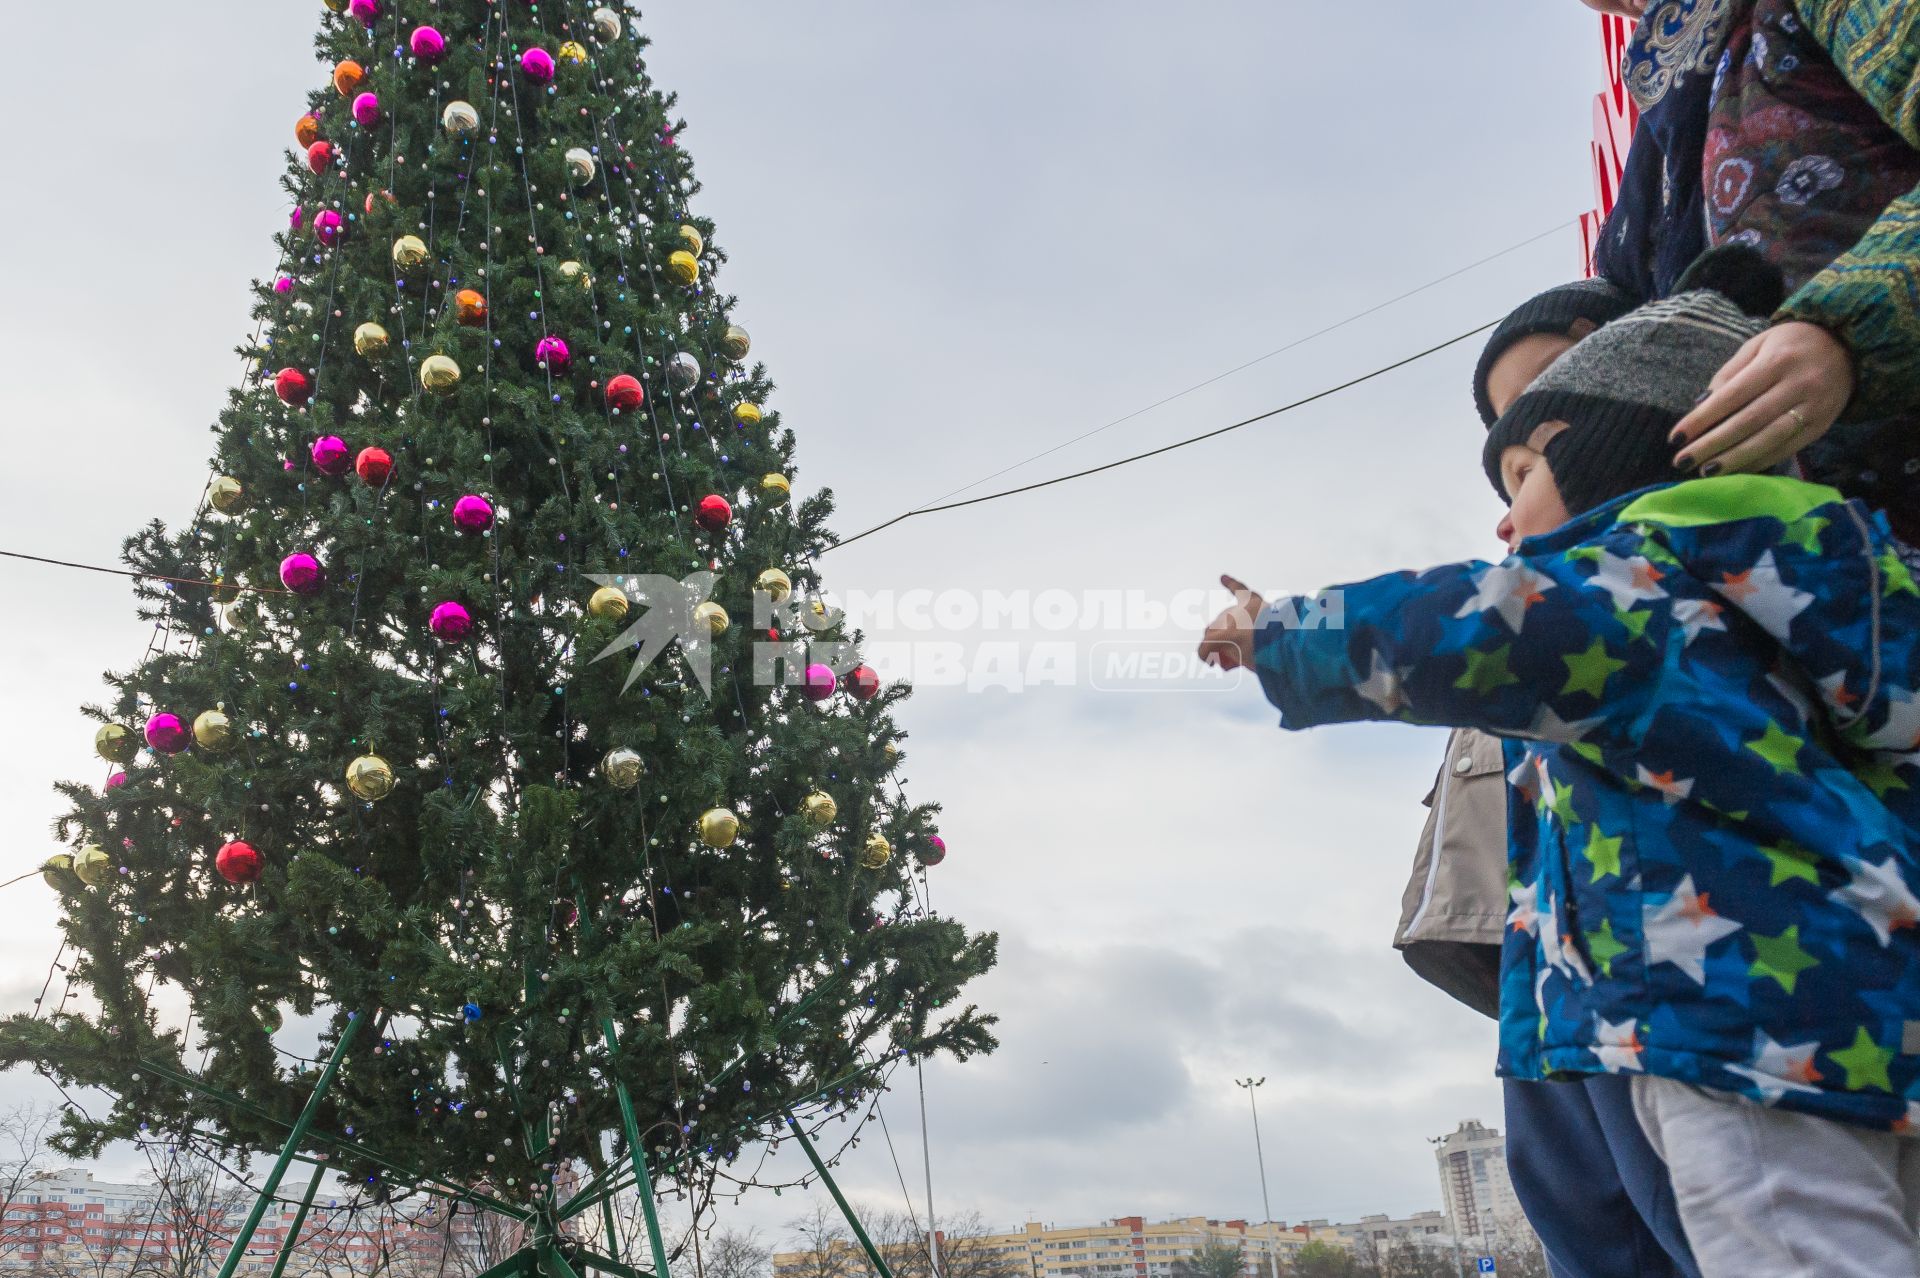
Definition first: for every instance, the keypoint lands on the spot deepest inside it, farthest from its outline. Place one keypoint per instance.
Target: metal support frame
(636, 1152)
(292, 1147)
(299, 1219)
(826, 1178)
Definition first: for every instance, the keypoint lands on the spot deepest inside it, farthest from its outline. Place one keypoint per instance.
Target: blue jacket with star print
(1709, 695)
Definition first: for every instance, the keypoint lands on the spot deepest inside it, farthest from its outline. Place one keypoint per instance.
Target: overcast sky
(959, 233)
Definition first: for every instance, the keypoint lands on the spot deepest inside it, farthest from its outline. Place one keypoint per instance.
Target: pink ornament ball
(472, 514)
(298, 218)
(428, 45)
(935, 852)
(117, 780)
(292, 386)
(302, 574)
(537, 65)
(330, 454)
(553, 354)
(820, 683)
(283, 285)
(451, 622)
(166, 734)
(327, 224)
(365, 10)
(366, 110)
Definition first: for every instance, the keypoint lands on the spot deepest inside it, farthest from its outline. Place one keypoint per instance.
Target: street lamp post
(1453, 1211)
(1273, 1262)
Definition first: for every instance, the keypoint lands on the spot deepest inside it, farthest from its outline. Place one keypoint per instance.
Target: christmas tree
(499, 424)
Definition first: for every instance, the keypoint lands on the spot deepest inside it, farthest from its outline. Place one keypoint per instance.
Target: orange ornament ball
(307, 130)
(348, 77)
(470, 307)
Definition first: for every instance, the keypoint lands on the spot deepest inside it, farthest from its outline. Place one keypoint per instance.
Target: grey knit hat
(1555, 311)
(1623, 389)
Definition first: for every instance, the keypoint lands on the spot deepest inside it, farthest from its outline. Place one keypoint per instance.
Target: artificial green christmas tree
(500, 424)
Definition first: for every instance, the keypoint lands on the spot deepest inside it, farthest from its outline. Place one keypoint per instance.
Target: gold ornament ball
(735, 343)
(691, 238)
(93, 866)
(819, 807)
(580, 166)
(576, 275)
(719, 828)
(57, 870)
(213, 731)
(891, 750)
(337, 6)
(746, 414)
(573, 53)
(460, 120)
(409, 252)
(370, 341)
(775, 486)
(877, 852)
(774, 584)
(439, 374)
(224, 494)
(370, 778)
(712, 617)
(606, 24)
(116, 743)
(622, 768)
(684, 267)
(609, 603)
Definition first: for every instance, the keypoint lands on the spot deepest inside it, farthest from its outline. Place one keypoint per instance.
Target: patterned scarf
(1676, 39)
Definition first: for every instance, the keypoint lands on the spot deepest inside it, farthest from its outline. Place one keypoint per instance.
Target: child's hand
(1229, 640)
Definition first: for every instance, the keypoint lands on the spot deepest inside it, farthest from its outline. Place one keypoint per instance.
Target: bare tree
(822, 1245)
(733, 1253)
(197, 1209)
(964, 1251)
(24, 1159)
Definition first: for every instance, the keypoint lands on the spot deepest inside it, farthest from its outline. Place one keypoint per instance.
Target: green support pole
(642, 1177)
(299, 1219)
(606, 1264)
(300, 1125)
(613, 1227)
(859, 1231)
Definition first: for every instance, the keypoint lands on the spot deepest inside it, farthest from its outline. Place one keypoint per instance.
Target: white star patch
(1673, 788)
(1697, 616)
(1547, 725)
(1525, 914)
(1680, 931)
(1779, 1068)
(1508, 589)
(1630, 581)
(1382, 687)
(1880, 895)
(1763, 595)
(1618, 1045)
(1901, 731)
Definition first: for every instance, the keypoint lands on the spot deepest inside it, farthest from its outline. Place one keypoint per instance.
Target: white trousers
(1766, 1193)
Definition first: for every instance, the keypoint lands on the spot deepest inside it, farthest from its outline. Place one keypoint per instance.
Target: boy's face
(1525, 360)
(1535, 505)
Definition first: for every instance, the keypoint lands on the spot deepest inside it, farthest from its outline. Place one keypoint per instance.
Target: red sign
(1614, 118)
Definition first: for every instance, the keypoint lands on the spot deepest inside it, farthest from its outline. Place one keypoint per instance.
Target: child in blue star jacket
(1708, 691)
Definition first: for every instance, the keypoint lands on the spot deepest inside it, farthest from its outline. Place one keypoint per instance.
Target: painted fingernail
(1684, 464)
(1678, 437)
(1709, 470)
(1703, 397)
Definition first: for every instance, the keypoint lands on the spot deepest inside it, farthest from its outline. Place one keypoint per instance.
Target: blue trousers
(1592, 1188)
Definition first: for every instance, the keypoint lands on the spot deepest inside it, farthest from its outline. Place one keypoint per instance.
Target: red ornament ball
(624, 393)
(238, 862)
(863, 682)
(373, 465)
(714, 514)
(292, 386)
(320, 156)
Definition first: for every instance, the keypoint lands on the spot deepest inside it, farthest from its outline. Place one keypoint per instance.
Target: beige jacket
(1454, 912)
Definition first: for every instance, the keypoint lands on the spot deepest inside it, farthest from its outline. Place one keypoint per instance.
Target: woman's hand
(1782, 391)
(1229, 640)
(1629, 9)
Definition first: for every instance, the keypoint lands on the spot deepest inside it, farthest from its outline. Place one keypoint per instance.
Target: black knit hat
(1555, 311)
(1622, 390)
